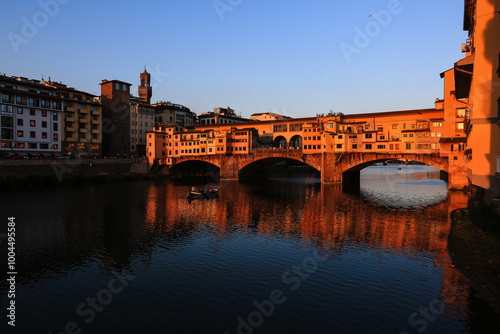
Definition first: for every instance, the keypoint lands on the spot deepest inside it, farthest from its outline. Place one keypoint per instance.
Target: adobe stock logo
(30, 28)
(373, 28)
(223, 6)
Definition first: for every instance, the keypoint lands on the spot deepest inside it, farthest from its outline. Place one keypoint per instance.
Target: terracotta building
(115, 99)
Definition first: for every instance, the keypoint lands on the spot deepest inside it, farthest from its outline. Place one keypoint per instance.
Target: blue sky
(254, 56)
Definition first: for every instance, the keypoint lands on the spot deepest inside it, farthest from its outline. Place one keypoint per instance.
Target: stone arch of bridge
(193, 163)
(355, 165)
(266, 162)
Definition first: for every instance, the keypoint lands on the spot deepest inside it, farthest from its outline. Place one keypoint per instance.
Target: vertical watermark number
(11, 271)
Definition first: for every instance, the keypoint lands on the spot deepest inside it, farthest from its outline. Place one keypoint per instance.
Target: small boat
(203, 193)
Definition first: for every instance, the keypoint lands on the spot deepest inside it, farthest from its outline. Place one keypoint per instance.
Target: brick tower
(145, 89)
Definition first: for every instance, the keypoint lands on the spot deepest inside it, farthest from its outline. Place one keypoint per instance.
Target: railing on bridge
(276, 150)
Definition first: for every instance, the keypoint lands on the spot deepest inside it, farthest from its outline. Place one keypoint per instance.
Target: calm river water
(284, 256)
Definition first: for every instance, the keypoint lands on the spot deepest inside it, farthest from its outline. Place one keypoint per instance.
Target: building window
(339, 146)
(380, 147)
(461, 112)
(32, 123)
(44, 135)
(55, 137)
(408, 146)
(44, 113)
(368, 146)
(32, 134)
(32, 112)
(20, 122)
(20, 133)
(354, 146)
(368, 136)
(460, 126)
(19, 110)
(117, 86)
(44, 124)
(33, 145)
(55, 127)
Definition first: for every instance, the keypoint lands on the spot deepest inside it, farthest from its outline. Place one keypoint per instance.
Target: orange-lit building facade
(478, 84)
(410, 131)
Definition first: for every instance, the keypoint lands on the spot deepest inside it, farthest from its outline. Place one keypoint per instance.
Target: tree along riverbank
(474, 244)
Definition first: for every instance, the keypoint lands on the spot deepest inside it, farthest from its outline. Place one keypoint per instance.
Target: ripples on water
(199, 266)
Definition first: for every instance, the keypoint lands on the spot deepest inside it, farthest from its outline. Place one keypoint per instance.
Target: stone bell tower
(145, 89)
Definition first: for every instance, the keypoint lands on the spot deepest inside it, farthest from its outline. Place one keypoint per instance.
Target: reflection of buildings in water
(327, 219)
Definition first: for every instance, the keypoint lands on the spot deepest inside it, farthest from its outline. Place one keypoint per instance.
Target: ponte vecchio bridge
(337, 145)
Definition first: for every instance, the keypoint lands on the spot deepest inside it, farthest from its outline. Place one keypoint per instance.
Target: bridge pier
(458, 180)
(229, 169)
(330, 173)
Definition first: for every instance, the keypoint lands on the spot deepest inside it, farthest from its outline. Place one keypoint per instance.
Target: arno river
(284, 256)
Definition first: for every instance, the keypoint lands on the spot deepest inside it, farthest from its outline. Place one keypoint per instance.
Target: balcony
(83, 130)
(95, 112)
(96, 131)
(70, 129)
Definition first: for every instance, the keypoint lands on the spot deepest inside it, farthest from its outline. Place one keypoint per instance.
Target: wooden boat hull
(203, 195)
